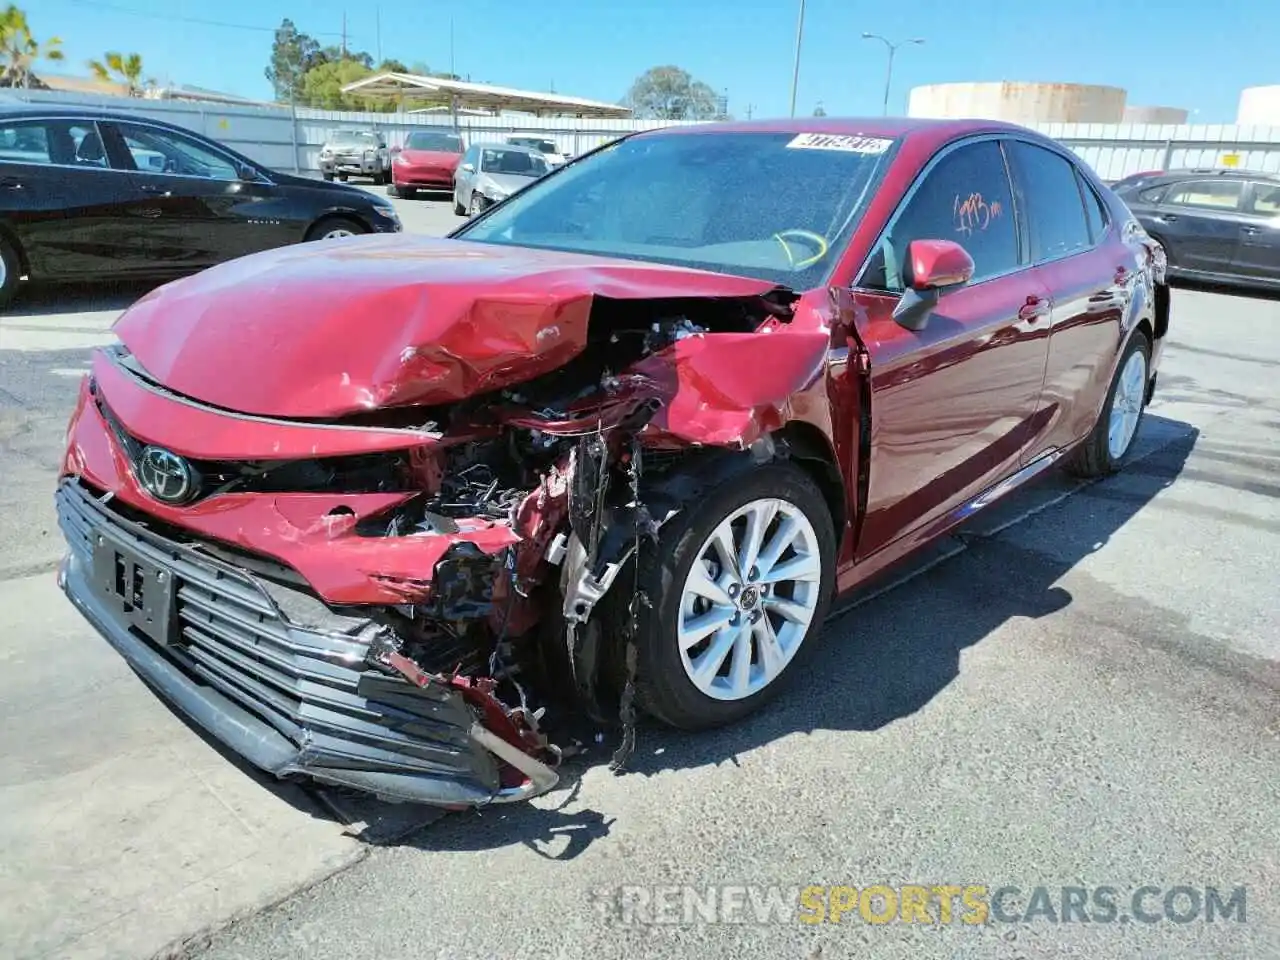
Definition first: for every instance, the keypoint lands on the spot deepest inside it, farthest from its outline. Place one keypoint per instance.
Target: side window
(162, 151)
(87, 144)
(1094, 209)
(1266, 198)
(1055, 211)
(966, 198)
(1222, 195)
(1152, 194)
(27, 142)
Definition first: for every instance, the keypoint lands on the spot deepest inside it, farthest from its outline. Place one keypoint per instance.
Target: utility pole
(452, 72)
(892, 47)
(344, 35)
(795, 71)
(377, 27)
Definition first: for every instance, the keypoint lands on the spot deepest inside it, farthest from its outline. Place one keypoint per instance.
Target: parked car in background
(427, 161)
(365, 512)
(91, 195)
(550, 151)
(1220, 226)
(360, 153)
(492, 172)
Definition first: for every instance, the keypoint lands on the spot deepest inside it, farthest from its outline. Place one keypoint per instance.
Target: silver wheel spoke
(1126, 405)
(803, 566)
(740, 671)
(778, 543)
(693, 632)
(701, 584)
(789, 610)
(771, 656)
(758, 521)
(709, 663)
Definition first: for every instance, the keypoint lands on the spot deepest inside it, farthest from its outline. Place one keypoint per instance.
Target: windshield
(516, 163)
(777, 206)
(542, 146)
(439, 142)
(348, 139)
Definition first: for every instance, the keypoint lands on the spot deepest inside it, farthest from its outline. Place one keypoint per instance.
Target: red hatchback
(360, 510)
(427, 161)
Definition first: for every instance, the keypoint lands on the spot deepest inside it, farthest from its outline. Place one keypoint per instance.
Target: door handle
(1033, 309)
(1250, 231)
(152, 188)
(1167, 217)
(11, 183)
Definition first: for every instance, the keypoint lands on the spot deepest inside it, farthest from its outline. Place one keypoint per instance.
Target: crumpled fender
(729, 389)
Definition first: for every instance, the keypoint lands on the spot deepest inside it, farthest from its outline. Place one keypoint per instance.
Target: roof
(481, 95)
(890, 127)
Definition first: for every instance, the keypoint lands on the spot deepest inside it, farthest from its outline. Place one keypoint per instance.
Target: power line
(177, 18)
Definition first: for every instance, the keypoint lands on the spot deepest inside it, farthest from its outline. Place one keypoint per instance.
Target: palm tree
(128, 69)
(19, 49)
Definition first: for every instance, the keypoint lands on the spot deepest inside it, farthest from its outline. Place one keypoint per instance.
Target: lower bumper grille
(291, 700)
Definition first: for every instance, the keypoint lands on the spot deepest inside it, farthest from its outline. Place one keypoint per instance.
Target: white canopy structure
(459, 96)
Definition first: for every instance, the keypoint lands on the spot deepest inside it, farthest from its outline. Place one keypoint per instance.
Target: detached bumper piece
(293, 702)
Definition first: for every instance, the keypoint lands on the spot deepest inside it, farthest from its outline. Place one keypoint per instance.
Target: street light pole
(893, 48)
(795, 72)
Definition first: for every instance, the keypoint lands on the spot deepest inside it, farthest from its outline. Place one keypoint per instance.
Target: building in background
(1017, 102)
(1259, 106)
(1156, 115)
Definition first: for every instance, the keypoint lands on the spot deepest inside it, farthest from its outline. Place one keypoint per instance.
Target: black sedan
(90, 195)
(1220, 226)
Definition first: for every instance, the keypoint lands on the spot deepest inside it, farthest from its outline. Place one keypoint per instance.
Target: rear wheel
(739, 586)
(10, 267)
(327, 176)
(335, 228)
(1104, 451)
(379, 179)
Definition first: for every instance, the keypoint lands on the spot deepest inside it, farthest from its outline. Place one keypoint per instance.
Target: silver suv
(362, 153)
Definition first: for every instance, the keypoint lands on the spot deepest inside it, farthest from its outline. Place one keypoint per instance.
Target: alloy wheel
(749, 599)
(1126, 405)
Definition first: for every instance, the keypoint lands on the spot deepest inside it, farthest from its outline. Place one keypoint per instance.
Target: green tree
(322, 85)
(20, 50)
(392, 66)
(670, 93)
(293, 53)
(122, 68)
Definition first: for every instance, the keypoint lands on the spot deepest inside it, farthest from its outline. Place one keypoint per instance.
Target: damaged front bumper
(215, 644)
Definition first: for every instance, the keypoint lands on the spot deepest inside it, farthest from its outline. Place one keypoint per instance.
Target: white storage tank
(1259, 106)
(1155, 115)
(1017, 102)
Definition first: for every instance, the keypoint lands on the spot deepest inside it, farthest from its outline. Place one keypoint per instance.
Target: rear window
(439, 142)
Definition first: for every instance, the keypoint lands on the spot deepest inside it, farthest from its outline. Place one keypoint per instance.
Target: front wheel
(335, 228)
(739, 585)
(477, 204)
(1111, 439)
(458, 209)
(9, 270)
(328, 177)
(379, 179)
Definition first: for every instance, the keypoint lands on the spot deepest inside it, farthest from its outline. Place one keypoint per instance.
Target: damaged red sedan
(363, 511)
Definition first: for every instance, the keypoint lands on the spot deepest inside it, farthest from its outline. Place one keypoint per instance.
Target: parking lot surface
(1083, 691)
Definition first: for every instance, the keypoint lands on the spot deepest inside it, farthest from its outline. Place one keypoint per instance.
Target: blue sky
(1163, 54)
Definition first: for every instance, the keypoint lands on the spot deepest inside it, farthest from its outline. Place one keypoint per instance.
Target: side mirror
(467, 168)
(247, 173)
(395, 150)
(932, 267)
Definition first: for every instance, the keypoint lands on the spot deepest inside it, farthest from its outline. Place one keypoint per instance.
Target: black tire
(379, 179)
(663, 687)
(409, 193)
(1093, 458)
(458, 209)
(327, 176)
(12, 266)
(342, 177)
(322, 227)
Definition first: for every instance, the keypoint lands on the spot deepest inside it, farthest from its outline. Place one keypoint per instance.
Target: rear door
(953, 404)
(1199, 222)
(61, 201)
(1090, 274)
(1258, 256)
(190, 199)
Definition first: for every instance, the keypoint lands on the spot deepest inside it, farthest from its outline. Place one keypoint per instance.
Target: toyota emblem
(165, 475)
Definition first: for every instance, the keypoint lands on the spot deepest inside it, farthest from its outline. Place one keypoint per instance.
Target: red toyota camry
(362, 509)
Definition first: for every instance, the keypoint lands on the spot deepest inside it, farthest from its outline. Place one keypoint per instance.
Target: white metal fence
(289, 139)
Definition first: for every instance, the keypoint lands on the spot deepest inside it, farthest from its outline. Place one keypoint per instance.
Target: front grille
(308, 685)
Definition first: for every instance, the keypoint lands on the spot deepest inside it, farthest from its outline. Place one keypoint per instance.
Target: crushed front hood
(323, 330)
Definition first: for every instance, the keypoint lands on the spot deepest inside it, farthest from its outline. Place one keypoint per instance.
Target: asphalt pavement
(1082, 691)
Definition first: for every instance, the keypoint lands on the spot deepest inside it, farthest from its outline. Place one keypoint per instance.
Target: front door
(66, 207)
(953, 405)
(190, 200)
